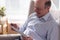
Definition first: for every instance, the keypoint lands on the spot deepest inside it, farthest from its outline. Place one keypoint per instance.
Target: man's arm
(53, 33)
(19, 27)
(23, 27)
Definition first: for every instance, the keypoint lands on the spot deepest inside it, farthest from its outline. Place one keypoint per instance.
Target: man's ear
(48, 7)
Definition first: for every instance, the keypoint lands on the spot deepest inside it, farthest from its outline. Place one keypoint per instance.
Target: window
(17, 10)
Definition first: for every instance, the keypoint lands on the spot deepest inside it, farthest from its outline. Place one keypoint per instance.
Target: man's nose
(36, 10)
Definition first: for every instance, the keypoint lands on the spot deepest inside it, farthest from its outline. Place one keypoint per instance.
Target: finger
(29, 38)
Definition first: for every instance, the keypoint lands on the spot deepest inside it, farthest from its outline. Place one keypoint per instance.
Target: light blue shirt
(44, 28)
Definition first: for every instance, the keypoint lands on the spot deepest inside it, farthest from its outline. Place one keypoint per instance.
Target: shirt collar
(45, 17)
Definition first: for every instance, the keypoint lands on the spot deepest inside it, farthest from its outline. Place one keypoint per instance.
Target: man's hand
(14, 25)
(27, 38)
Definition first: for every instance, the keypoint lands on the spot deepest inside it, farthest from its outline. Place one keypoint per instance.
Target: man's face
(39, 8)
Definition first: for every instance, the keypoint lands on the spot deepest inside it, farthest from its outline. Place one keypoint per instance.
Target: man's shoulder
(51, 20)
(32, 14)
(48, 24)
(52, 24)
(32, 17)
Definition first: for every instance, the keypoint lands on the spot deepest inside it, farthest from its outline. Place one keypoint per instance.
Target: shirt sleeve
(53, 33)
(23, 27)
(32, 34)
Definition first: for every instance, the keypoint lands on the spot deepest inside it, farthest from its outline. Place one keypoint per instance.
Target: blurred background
(17, 11)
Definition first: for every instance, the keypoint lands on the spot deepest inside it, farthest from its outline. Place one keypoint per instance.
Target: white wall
(16, 11)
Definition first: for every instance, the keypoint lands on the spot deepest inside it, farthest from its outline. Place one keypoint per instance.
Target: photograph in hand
(11, 27)
(14, 25)
(15, 29)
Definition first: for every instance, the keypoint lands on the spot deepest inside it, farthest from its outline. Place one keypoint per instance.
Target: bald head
(42, 7)
(43, 2)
